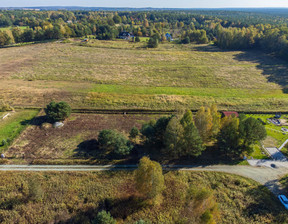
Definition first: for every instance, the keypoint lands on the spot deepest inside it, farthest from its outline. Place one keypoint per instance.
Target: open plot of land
(77, 139)
(119, 74)
(11, 126)
(79, 196)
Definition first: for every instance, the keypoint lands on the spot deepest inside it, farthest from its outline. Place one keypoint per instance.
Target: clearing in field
(121, 74)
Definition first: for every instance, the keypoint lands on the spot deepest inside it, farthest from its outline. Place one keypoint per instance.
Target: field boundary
(140, 111)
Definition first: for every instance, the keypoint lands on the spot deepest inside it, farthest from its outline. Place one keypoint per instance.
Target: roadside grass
(258, 153)
(76, 197)
(284, 182)
(12, 126)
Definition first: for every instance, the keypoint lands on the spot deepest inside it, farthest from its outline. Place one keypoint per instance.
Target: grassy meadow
(122, 74)
(10, 27)
(76, 197)
(12, 126)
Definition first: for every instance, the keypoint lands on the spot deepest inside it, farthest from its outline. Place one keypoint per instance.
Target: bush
(36, 192)
(58, 111)
(4, 142)
(186, 40)
(153, 42)
(5, 106)
(111, 140)
(104, 217)
(137, 39)
(134, 133)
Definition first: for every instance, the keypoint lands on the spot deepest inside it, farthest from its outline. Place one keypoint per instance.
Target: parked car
(283, 200)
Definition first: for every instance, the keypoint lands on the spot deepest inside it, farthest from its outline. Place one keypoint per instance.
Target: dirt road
(263, 175)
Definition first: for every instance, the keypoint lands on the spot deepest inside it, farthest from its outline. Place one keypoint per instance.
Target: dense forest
(229, 30)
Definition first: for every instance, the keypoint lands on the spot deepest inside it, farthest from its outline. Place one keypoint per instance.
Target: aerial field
(76, 197)
(119, 74)
(76, 140)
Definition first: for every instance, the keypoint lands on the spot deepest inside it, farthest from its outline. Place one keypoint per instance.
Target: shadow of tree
(89, 148)
(119, 209)
(36, 121)
(122, 207)
(275, 70)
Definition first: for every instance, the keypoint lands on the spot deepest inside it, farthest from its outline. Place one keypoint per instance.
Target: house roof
(230, 113)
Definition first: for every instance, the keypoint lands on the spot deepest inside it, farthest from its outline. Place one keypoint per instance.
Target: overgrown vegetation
(79, 197)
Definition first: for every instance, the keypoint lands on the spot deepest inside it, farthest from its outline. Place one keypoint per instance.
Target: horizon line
(148, 7)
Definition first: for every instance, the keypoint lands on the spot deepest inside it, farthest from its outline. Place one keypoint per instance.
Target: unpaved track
(263, 175)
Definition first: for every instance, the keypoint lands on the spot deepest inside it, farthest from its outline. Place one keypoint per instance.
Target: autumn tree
(204, 123)
(149, 179)
(216, 120)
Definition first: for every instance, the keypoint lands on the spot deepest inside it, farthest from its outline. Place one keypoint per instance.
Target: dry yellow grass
(33, 75)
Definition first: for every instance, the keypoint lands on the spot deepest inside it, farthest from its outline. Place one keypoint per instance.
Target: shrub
(137, 39)
(186, 40)
(104, 217)
(134, 133)
(114, 141)
(5, 106)
(58, 111)
(4, 142)
(153, 42)
(35, 190)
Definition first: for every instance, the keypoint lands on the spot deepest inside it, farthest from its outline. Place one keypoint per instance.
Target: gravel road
(263, 175)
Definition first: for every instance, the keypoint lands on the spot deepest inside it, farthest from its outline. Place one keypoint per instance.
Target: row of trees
(187, 135)
(180, 135)
(228, 30)
(263, 37)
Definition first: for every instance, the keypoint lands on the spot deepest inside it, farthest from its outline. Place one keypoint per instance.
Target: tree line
(182, 135)
(228, 30)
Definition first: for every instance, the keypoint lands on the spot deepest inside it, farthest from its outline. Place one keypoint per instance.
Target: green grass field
(10, 27)
(14, 124)
(122, 74)
(77, 197)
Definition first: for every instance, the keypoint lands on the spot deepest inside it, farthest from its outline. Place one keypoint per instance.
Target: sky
(148, 3)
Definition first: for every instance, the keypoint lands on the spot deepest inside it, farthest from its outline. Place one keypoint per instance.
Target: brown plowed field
(77, 139)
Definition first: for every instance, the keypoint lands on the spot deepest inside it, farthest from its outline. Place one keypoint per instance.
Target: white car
(283, 200)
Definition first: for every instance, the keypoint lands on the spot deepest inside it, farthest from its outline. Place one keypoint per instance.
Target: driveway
(276, 154)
